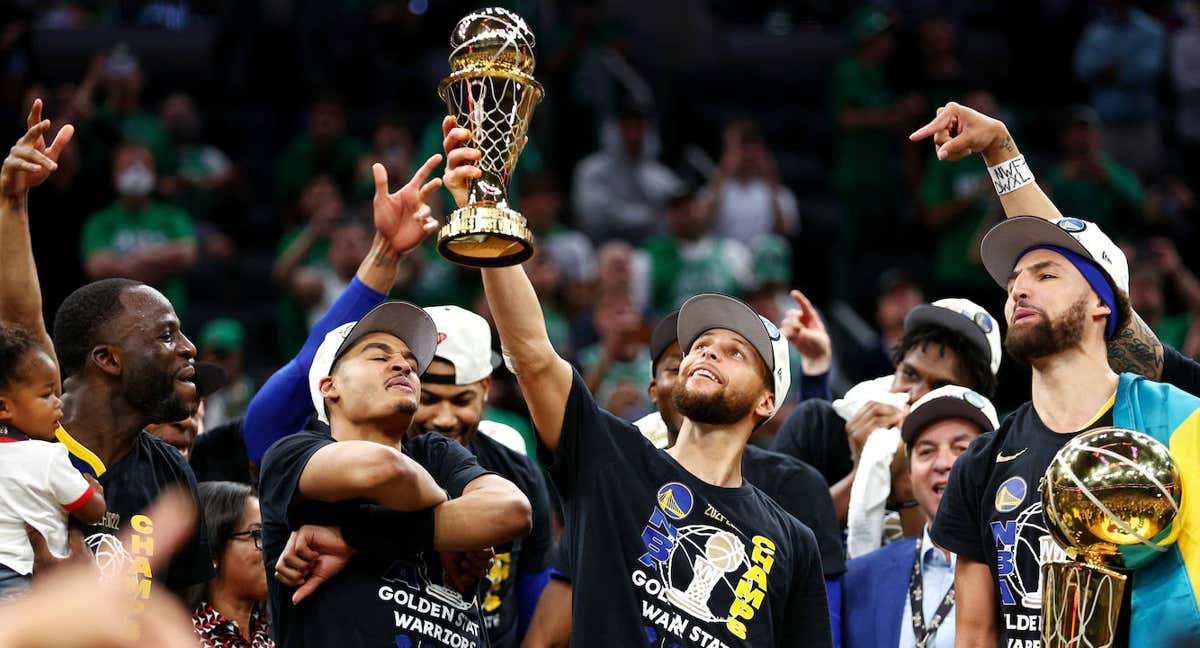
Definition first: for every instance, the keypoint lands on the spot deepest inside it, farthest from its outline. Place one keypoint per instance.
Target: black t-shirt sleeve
(193, 564)
(450, 464)
(1180, 371)
(805, 495)
(590, 437)
(536, 547)
(282, 467)
(816, 435)
(806, 619)
(959, 522)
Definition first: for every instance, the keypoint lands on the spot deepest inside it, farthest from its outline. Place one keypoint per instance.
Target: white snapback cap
(405, 321)
(709, 311)
(464, 339)
(964, 317)
(1003, 246)
(949, 402)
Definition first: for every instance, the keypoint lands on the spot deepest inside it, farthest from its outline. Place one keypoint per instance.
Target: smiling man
(125, 364)
(949, 342)
(454, 390)
(903, 594)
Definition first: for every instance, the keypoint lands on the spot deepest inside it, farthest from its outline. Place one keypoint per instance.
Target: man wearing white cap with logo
(365, 384)
(667, 547)
(949, 342)
(1069, 319)
(454, 390)
(903, 594)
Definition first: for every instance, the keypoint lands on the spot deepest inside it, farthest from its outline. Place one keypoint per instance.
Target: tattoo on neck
(1134, 352)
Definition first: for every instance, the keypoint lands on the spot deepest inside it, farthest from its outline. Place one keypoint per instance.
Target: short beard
(1046, 338)
(152, 393)
(722, 408)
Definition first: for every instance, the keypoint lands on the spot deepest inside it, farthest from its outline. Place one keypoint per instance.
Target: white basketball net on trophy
(1085, 595)
(491, 107)
(723, 553)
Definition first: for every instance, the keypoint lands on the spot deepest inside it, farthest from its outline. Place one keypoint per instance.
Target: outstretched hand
(802, 326)
(959, 131)
(30, 161)
(404, 218)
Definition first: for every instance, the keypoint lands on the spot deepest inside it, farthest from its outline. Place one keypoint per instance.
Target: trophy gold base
(482, 236)
(1080, 604)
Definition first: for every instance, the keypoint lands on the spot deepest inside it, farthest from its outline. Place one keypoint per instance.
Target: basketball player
(364, 383)
(668, 548)
(796, 486)
(1067, 287)
(126, 364)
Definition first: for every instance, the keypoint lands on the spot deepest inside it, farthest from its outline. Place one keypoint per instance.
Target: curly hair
(80, 318)
(973, 359)
(16, 343)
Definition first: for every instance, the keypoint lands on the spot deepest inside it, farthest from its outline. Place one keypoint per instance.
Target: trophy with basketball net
(491, 92)
(1109, 497)
(723, 553)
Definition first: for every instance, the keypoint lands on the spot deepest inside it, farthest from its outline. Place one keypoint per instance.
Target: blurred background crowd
(223, 155)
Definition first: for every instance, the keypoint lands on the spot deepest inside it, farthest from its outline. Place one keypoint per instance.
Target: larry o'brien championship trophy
(1109, 498)
(490, 91)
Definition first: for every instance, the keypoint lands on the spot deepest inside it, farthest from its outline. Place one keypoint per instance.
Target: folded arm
(361, 469)
(491, 511)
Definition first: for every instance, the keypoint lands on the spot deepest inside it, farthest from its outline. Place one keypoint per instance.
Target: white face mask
(136, 182)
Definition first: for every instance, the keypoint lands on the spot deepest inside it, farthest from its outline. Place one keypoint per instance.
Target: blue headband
(1095, 278)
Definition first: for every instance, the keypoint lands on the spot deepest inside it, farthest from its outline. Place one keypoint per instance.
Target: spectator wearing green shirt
(617, 368)
(958, 207)
(223, 342)
(868, 118)
(325, 148)
(138, 237)
(1090, 184)
(691, 259)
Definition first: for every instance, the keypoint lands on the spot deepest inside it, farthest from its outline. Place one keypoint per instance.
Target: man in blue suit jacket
(881, 589)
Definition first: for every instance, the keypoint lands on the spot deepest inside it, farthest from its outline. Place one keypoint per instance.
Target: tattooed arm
(959, 131)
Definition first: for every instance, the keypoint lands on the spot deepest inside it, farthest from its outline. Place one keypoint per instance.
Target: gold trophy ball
(1110, 497)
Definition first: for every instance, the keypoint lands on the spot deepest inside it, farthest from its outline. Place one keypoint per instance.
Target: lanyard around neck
(916, 596)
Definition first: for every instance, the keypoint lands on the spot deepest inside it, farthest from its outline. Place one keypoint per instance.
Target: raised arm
(28, 164)
(959, 131)
(402, 220)
(545, 378)
(361, 469)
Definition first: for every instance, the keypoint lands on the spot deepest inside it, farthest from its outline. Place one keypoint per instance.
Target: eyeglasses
(255, 534)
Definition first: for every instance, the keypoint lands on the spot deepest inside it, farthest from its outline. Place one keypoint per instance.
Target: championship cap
(1004, 245)
(948, 402)
(402, 319)
(964, 317)
(709, 311)
(665, 334)
(464, 339)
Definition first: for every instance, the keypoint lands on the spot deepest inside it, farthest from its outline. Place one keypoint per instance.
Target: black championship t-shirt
(801, 491)
(663, 559)
(521, 557)
(991, 513)
(397, 604)
(816, 435)
(130, 486)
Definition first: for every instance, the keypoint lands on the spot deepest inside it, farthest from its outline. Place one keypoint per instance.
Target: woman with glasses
(230, 614)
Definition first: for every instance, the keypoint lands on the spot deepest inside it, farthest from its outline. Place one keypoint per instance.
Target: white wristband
(1010, 175)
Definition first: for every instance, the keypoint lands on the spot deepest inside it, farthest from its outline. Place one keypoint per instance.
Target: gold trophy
(490, 91)
(1109, 498)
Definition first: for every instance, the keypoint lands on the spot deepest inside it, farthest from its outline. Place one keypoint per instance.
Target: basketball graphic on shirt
(112, 558)
(724, 551)
(697, 574)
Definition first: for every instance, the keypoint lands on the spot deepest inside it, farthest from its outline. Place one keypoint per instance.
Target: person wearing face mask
(137, 237)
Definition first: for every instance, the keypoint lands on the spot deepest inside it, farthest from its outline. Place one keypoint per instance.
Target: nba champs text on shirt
(697, 574)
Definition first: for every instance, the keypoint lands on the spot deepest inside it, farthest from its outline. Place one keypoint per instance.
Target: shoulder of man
(292, 444)
(864, 571)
